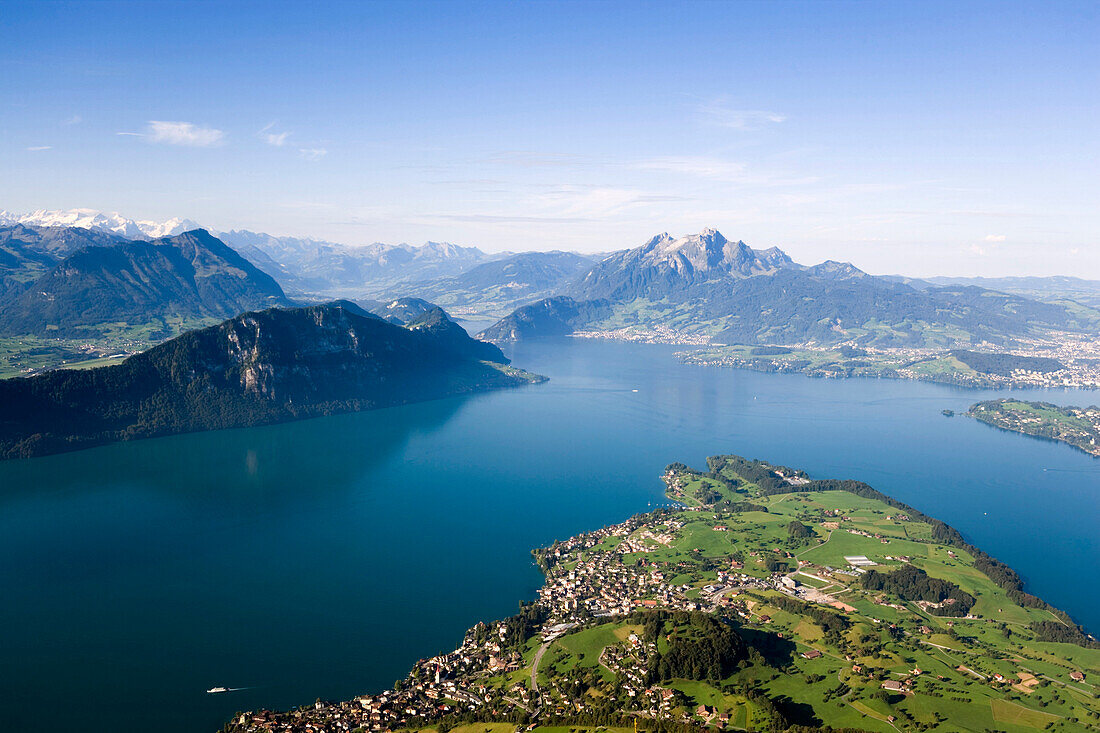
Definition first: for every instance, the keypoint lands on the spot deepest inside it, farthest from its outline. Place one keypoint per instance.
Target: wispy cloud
(74, 120)
(720, 113)
(508, 219)
(595, 202)
(36, 148)
(719, 169)
(693, 165)
(183, 133)
(994, 238)
(534, 159)
(278, 139)
(569, 204)
(312, 153)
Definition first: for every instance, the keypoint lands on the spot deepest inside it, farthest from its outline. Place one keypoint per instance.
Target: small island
(761, 599)
(1078, 426)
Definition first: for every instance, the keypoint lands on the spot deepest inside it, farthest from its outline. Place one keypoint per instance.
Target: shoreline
(543, 622)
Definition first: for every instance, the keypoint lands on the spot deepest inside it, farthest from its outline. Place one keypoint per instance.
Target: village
(529, 669)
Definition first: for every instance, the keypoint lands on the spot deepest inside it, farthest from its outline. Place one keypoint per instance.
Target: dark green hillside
(192, 275)
(794, 306)
(257, 368)
(550, 317)
(1005, 364)
(26, 253)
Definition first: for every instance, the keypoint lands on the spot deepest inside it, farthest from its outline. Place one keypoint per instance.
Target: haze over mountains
(301, 265)
(710, 287)
(495, 287)
(73, 281)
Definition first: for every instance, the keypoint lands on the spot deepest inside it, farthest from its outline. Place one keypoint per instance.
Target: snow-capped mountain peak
(102, 221)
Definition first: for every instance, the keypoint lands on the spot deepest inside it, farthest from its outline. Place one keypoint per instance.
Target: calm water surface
(322, 558)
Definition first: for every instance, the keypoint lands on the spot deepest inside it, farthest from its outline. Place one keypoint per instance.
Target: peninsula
(258, 368)
(762, 600)
(1066, 364)
(1078, 426)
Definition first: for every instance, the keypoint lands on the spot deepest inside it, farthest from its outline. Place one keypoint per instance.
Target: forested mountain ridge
(557, 316)
(257, 368)
(191, 275)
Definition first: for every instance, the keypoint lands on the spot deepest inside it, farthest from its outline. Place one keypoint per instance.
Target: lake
(322, 558)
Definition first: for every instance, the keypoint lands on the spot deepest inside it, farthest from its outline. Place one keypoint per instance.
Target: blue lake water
(322, 558)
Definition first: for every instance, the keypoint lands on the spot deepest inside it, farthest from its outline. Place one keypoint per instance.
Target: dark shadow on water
(316, 455)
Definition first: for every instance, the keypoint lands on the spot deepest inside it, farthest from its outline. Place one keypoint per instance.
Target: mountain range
(113, 223)
(706, 286)
(256, 368)
(71, 282)
(300, 265)
(702, 286)
(370, 270)
(1054, 288)
(497, 287)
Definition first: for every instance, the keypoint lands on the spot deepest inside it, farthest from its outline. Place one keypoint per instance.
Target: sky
(916, 138)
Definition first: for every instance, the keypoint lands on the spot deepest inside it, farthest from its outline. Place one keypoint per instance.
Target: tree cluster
(910, 583)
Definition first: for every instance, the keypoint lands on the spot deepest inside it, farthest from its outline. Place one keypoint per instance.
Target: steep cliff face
(269, 366)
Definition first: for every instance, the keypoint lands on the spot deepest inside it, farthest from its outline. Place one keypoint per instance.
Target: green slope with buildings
(761, 600)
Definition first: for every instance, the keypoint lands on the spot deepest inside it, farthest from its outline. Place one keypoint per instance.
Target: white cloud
(312, 153)
(184, 133)
(994, 238)
(74, 120)
(720, 114)
(277, 139)
(35, 148)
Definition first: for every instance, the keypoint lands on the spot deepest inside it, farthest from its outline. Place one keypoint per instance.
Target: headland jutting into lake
(1076, 426)
(761, 600)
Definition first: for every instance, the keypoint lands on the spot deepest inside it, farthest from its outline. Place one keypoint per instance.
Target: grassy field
(961, 673)
(995, 641)
(1007, 712)
(28, 355)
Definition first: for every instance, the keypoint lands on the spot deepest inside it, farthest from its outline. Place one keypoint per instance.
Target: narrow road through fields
(535, 665)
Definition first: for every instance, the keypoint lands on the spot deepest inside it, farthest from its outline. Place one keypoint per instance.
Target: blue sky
(923, 138)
